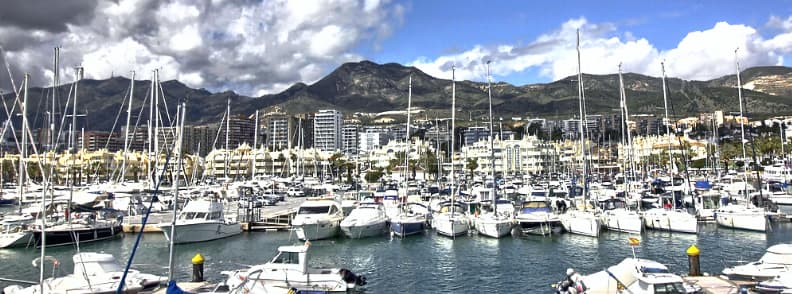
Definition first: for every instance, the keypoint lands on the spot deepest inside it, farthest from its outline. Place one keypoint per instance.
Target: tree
(374, 175)
(472, 165)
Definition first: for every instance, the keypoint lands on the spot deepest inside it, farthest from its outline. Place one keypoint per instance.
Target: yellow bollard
(694, 265)
(198, 269)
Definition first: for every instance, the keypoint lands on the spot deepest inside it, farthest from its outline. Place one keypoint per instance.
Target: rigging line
(167, 112)
(63, 118)
(219, 128)
(118, 115)
(38, 108)
(8, 68)
(11, 122)
(145, 221)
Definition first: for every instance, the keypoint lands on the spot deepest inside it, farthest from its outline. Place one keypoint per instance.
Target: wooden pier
(275, 221)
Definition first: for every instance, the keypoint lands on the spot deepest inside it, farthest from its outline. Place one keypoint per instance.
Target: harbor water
(428, 262)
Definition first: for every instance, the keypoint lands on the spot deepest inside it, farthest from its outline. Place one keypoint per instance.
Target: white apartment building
(327, 130)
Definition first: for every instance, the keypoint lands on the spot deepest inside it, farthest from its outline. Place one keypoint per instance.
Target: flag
(634, 241)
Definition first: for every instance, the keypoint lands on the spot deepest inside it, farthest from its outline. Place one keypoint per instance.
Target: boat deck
(717, 285)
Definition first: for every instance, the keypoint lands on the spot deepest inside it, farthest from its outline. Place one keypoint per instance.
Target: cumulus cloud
(700, 55)
(252, 47)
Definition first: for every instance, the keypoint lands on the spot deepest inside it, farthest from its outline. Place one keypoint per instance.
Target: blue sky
(431, 29)
(260, 47)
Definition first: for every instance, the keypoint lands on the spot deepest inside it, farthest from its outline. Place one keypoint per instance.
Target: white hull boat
(199, 221)
(777, 260)
(494, 225)
(367, 220)
(318, 218)
(622, 220)
(585, 223)
(670, 220)
(742, 217)
(289, 271)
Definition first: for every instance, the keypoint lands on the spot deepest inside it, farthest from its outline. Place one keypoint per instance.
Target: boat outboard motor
(351, 277)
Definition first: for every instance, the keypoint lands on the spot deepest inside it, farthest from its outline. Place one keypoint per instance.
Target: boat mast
(150, 139)
(667, 123)
(492, 144)
(126, 132)
(742, 126)
(628, 145)
(255, 143)
(228, 129)
(582, 123)
(156, 123)
(407, 138)
(178, 148)
(55, 84)
(453, 119)
(73, 138)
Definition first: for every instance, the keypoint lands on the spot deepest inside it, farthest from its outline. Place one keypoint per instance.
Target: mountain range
(369, 87)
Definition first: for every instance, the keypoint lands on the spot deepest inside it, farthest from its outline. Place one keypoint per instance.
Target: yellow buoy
(693, 250)
(199, 259)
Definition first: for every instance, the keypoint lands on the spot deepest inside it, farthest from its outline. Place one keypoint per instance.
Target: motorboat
(739, 216)
(93, 273)
(673, 220)
(535, 217)
(199, 221)
(616, 217)
(779, 284)
(14, 231)
(410, 219)
(289, 271)
(634, 274)
(497, 220)
(318, 218)
(451, 220)
(776, 260)
(367, 220)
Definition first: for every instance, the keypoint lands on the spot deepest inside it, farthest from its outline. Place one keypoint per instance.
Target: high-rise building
(349, 135)
(474, 134)
(327, 130)
(304, 130)
(278, 127)
(241, 129)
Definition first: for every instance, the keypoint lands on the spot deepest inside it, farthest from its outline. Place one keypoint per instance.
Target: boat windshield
(776, 258)
(97, 268)
(670, 288)
(313, 210)
(287, 258)
(534, 204)
(710, 202)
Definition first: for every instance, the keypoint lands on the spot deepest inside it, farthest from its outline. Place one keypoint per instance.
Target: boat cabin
(202, 210)
(291, 258)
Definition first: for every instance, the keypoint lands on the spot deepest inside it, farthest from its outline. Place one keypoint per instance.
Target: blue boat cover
(174, 289)
(703, 184)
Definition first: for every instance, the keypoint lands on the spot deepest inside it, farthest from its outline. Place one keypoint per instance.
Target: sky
(261, 47)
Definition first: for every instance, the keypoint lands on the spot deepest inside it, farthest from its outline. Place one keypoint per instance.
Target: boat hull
(742, 220)
(201, 232)
(581, 223)
(18, 239)
(627, 222)
(318, 231)
(407, 228)
(60, 237)
(495, 228)
(451, 226)
(670, 220)
(357, 231)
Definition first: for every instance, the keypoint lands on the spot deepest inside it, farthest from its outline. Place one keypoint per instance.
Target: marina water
(428, 262)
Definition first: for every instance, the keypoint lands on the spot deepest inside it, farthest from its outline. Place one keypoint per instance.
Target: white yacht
(318, 218)
(637, 275)
(289, 271)
(616, 217)
(536, 218)
(367, 220)
(740, 216)
(777, 260)
(581, 220)
(496, 221)
(93, 273)
(201, 220)
(451, 220)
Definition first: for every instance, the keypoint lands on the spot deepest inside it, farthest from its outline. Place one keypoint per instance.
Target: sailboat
(674, 220)
(582, 221)
(407, 221)
(746, 217)
(494, 223)
(616, 216)
(451, 220)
